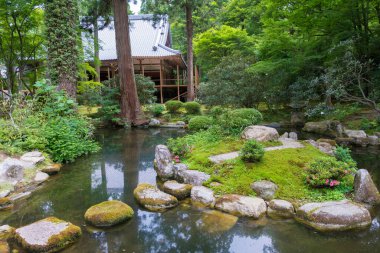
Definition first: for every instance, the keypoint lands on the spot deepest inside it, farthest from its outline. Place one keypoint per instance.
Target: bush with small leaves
(156, 109)
(200, 123)
(192, 107)
(252, 151)
(233, 122)
(173, 106)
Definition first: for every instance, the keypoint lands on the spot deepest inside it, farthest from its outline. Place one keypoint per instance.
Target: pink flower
(327, 181)
(331, 183)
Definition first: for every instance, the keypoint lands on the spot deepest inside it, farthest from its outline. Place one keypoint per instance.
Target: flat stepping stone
(178, 190)
(334, 215)
(286, 143)
(278, 208)
(108, 213)
(213, 222)
(153, 199)
(193, 177)
(47, 235)
(203, 196)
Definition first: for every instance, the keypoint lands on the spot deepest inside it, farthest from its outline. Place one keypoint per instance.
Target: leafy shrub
(109, 105)
(156, 109)
(217, 111)
(236, 120)
(192, 107)
(344, 155)
(327, 172)
(369, 125)
(252, 151)
(200, 122)
(145, 89)
(173, 106)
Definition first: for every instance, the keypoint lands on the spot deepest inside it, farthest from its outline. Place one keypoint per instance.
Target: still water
(127, 160)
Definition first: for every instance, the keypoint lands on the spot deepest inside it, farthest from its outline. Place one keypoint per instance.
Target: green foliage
(173, 106)
(235, 121)
(109, 105)
(156, 109)
(48, 122)
(370, 125)
(252, 151)
(200, 123)
(229, 84)
(145, 89)
(224, 41)
(327, 172)
(344, 155)
(192, 107)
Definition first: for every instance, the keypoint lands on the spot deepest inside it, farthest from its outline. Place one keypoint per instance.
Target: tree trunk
(190, 56)
(129, 102)
(96, 50)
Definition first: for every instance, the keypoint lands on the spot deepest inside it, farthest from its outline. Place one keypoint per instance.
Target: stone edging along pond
(181, 182)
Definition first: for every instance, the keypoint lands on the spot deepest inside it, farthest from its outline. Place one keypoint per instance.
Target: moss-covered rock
(5, 203)
(47, 235)
(4, 247)
(180, 191)
(52, 168)
(242, 205)
(153, 199)
(108, 213)
(6, 232)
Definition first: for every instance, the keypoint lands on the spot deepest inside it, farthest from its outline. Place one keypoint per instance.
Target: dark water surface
(125, 161)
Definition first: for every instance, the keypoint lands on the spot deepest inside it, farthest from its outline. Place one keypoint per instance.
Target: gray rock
(377, 134)
(154, 123)
(12, 170)
(280, 208)
(192, 177)
(4, 193)
(203, 195)
(355, 133)
(164, 165)
(6, 232)
(178, 169)
(365, 189)
(180, 191)
(181, 123)
(153, 199)
(334, 215)
(284, 136)
(41, 177)
(374, 140)
(260, 133)
(52, 168)
(18, 196)
(293, 136)
(264, 189)
(325, 147)
(34, 157)
(241, 205)
(328, 127)
(297, 119)
(47, 235)
(213, 221)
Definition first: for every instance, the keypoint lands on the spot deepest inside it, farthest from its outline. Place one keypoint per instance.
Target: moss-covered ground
(284, 167)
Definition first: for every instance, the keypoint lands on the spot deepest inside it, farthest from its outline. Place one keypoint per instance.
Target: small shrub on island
(252, 151)
(173, 106)
(327, 172)
(344, 155)
(217, 111)
(156, 109)
(236, 120)
(200, 123)
(192, 107)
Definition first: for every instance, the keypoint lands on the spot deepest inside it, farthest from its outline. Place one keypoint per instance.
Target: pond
(126, 160)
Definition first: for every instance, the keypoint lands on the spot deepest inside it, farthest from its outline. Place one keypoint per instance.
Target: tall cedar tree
(129, 102)
(62, 22)
(174, 7)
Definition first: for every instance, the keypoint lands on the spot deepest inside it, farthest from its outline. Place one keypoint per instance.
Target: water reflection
(126, 160)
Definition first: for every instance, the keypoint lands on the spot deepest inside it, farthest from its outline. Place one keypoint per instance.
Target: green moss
(108, 213)
(153, 203)
(285, 167)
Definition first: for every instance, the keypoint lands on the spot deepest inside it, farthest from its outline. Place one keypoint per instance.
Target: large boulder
(260, 133)
(47, 235)
(178, 190)
(278, 208)
(264, 189)
(365, 190)
(213, 221)
(41, 177)
(192, 177)
(331, 128)
(374, 140)
(297, 119)
(12, 170)
(164, 165)
(324, 147)
(355, 133)
(202, 195)
(154, 123)
(34, 157)
(241, 205)
(334, 215)
(153, 199)
(108, 213)
(52, 168)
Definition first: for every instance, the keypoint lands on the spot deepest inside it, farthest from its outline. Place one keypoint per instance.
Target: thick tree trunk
(190, 56)
(129, 102)
(96, 50)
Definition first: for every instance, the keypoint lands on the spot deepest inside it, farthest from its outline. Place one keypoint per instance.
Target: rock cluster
(330, 128)
(153, 199)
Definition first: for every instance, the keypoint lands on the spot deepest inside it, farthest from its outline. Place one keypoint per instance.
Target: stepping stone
(178, 190)
(192, 177)
(153, 199)
(278, 208)
(108, 213)
(202, 195)
(334, 215)
(213, 222)
(47, 235)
